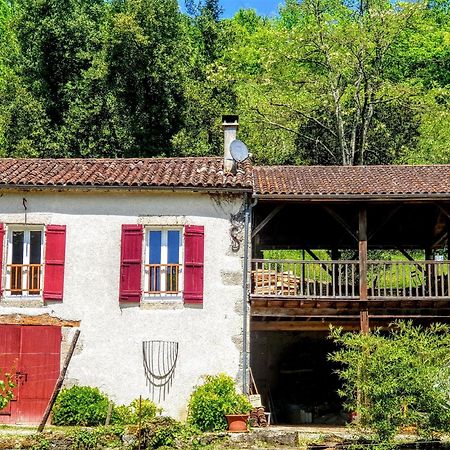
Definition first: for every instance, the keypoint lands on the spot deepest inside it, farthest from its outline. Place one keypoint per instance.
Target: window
(163, 268)
(24, 261)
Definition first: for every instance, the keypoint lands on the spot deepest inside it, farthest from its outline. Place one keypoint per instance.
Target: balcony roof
(352, 181)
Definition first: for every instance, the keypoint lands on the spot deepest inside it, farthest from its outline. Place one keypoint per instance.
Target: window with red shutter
(55, 252)
(22, 262)
(194, 255)
(162, 266)
(130, 289)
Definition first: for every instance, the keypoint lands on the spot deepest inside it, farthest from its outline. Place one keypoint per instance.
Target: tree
(396, 378)
(327, 77)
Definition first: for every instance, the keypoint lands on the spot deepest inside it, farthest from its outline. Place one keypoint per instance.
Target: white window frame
(26, 259)
(164, 253)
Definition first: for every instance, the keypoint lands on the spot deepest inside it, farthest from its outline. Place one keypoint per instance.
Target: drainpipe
(247, 217)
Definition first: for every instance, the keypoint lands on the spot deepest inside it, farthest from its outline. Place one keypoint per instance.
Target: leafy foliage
(80, 405)
(396, 379)
(165, 432)
(324, 82)
(6, 389)
(210, 402)
(98, 437)
(136, 412)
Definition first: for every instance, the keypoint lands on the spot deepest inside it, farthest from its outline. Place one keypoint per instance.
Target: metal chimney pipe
(230, 124)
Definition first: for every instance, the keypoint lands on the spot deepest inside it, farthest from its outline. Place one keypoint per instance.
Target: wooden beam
(300, 312)
(315, 257)
(444, 211)
(341, 221)
(362, 235)
(269, 217)
(440, 239)
(302, 326)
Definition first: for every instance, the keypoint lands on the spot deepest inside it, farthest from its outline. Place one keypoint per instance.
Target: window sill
(175, 302)
(22, 301)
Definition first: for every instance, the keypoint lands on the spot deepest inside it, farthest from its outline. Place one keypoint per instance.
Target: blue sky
(263, 7)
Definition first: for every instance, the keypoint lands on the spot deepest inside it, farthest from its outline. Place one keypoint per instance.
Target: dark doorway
(297, 381)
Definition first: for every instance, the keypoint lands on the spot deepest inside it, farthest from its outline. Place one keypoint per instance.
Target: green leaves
(396, 378)
(211, 401)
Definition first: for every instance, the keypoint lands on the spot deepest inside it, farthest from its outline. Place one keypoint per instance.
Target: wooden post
(362, 237)
(59, 381)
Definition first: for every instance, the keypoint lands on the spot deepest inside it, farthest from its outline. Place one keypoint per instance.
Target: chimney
(230, 126)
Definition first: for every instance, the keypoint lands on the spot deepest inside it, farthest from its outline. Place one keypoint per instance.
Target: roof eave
(351, 197)
(87, 187)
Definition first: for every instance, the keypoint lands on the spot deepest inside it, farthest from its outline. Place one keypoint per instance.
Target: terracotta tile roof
(323, 181)
(197, 173)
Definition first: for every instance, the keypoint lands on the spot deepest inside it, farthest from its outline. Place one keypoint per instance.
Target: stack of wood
(269, 282)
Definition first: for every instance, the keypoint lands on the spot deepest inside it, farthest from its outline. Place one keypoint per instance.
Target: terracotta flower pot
(237, 423)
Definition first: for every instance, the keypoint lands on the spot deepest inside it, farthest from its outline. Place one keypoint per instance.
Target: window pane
(17, 258)
(35, 247)
(173, 247)
(155, 247)
(17, 247)
(155, 258)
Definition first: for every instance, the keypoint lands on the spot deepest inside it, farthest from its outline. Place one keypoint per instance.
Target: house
(144, 256)
(170, 269)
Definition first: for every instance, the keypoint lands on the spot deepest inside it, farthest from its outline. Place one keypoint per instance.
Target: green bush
(396, 379)
(80, 405)
(211, 401)
(165, 432)
(130, 415)
(98, 437)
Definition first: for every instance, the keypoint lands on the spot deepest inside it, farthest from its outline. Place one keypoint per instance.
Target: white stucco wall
(109, 353)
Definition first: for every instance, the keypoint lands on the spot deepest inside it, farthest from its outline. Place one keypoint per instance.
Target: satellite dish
(238, 150)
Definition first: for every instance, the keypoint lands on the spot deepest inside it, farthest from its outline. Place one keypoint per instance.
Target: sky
(263, 7)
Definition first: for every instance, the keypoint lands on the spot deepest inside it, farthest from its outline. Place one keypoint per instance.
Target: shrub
(396, 379)
(211, 401)
(80, 405)
(6, 388)
(165, 432)
(130, 415)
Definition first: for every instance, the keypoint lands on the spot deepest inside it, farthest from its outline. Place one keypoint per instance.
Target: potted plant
(215, 399)
(238, 413)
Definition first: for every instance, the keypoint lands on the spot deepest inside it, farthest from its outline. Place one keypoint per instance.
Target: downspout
(247, 217)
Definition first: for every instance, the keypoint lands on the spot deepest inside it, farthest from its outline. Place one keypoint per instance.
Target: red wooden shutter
(194, 255)
(131, 263)
(2, 235)
(55, 252)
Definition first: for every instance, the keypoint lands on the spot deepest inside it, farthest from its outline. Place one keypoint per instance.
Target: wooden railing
(162, 279)
(408, 279)
(24, 279)
(340, 279)
(305, 279)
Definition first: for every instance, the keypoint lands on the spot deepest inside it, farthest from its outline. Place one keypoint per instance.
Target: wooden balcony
(24, 279)
(162, 279)
(326, 288)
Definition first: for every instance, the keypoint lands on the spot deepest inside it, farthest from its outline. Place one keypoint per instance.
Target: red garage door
(33, 354)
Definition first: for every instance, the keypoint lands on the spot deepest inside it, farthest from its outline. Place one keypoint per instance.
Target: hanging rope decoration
(160, 360)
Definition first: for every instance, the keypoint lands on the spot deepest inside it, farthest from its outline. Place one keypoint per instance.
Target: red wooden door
(9, 359)
(37, 369)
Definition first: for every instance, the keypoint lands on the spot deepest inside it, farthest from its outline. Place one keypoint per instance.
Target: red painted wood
(55, 251)
(9, 360)
(2, 236)
(37, 350)
(194, 255)
(40, 361)
(130, 289)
